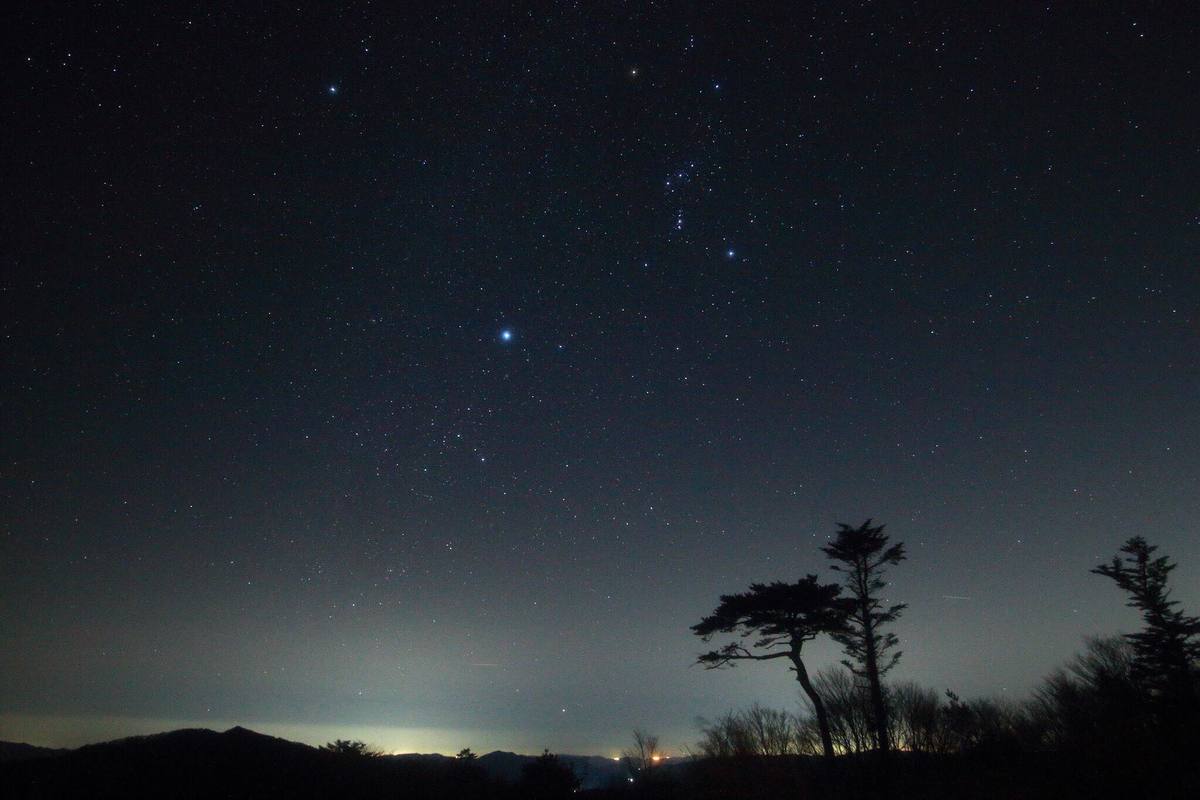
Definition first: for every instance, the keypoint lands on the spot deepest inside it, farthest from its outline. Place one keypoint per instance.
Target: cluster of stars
(483, 321)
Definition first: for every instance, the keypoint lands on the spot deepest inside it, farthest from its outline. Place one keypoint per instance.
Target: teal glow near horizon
(76, 731)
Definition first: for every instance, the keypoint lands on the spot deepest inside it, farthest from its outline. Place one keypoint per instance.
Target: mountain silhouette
(200, 763)
(19, 751)
(241, 763)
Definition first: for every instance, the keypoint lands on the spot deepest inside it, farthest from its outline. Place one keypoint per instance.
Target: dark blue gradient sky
(268, 457)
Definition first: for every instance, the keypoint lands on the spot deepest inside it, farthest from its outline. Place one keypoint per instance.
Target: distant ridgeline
(200, 763)
(239, 763)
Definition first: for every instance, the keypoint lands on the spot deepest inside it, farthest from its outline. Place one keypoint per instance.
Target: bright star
(333, 89)
(506, 335)
(729, 253)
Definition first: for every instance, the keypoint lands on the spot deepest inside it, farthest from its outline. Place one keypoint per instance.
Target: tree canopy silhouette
(783, 616)
(861, 554)
(1167, 648)
(346, 747)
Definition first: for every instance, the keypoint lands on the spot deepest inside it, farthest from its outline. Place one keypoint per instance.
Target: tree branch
(716, 659)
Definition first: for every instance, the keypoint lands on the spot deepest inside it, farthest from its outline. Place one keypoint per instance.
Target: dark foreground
(243, 764)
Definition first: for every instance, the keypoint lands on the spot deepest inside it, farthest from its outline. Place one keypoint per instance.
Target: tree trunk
(878, 707)
(818, 705)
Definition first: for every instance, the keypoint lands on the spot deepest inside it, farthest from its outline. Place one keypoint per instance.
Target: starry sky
(422, 375)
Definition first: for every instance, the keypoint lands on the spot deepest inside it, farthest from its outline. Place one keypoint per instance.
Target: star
(333, 89)
(730, 253)
(506, 335)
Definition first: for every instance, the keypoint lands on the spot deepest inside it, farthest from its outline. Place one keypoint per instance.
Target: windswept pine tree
(783, 616)
(1167, 649)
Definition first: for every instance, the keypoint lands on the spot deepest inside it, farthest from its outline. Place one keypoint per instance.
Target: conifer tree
(1167, 649)
(861, 554)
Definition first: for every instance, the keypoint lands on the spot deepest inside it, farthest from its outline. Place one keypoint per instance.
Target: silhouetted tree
(755, 731)
(727, 737)
(346, 747)
(1080, 705)
(548, 778)
(914, 712)
(984, 725)
(956, 717)
(471, 780)
(1167, 648)
(847, 706)
(781, 615)
(643, 756)
(861, 554)
(772, 732)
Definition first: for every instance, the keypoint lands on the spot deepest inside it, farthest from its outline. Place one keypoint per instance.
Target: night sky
(422, 376)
